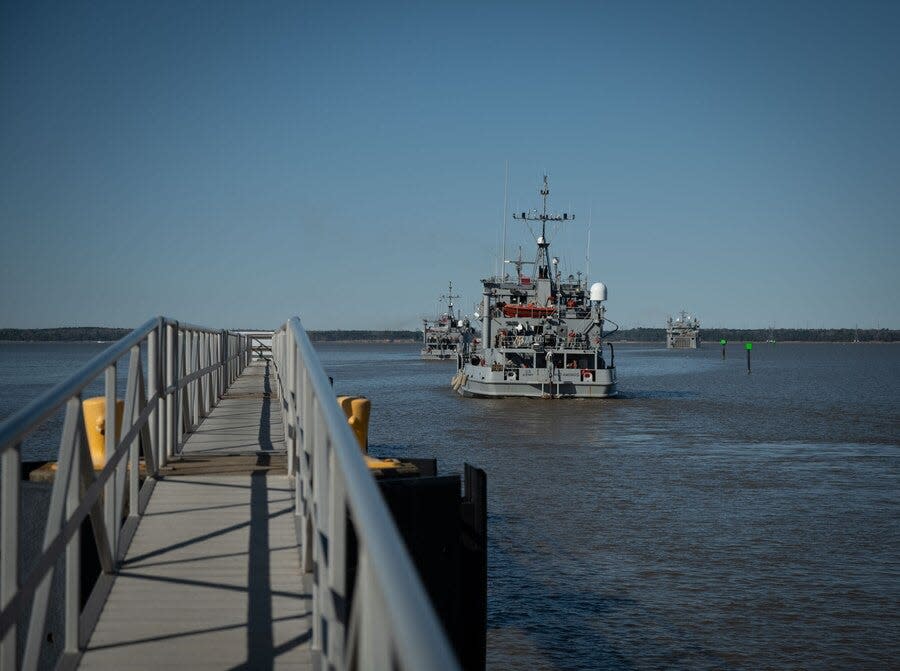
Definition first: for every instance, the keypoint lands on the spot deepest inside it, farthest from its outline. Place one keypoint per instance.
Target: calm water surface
(706, 519)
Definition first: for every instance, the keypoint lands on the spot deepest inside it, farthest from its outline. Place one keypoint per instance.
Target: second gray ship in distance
(442, 337)
(542, 334)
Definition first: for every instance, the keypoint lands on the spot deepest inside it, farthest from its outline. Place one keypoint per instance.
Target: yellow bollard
(94, 411)
(357, 409)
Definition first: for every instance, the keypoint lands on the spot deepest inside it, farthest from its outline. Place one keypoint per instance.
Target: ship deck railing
(578, 312)
(187, 393)
(527, 342)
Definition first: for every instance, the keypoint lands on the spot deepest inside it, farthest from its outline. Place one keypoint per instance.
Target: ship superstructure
(442, 338)
(541, 334)
(683, 332)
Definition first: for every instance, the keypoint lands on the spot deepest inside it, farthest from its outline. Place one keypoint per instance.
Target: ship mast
(543, 259)
(450, 298)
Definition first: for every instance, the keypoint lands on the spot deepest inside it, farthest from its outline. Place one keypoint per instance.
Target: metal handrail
(41, 408)
(189, 368)
(390, 618)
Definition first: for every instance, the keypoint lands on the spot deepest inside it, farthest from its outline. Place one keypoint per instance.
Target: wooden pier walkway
(212, 577)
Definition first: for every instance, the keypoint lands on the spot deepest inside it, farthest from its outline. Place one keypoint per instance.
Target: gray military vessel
(683, 332)
(541, 335)
(442, 338)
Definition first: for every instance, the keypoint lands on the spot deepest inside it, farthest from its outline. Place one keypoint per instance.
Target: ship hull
(481, 382)
(446, 355)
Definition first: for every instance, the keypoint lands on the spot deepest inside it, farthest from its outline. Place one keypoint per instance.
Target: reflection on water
(705, 519)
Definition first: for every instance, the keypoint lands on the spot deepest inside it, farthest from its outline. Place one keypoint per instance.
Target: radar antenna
(518, 263)
(543, 259)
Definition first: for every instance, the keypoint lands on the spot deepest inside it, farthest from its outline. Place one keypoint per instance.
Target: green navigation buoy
(723, 342)
(749, 347)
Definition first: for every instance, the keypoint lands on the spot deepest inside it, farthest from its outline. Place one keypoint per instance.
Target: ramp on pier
(212, 578)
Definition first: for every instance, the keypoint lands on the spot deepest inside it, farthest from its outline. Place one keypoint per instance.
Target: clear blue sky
(233, 164)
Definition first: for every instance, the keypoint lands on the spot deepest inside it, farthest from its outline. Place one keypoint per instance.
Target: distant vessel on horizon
(683, 332)
(442, 337)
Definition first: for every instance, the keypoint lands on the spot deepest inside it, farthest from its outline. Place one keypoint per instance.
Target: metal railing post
(301, 476)
(9, 541)
(223, 358)
(193, 386)
(133, 401)
(336, 574)
(319, 512)
(182, 392)
(290, 433)
(207, 379)
(177, 390)
(153, 388)
(163, 411)
(171, 407)
(73, 551)
(213, 363)
(310, 428)
(236, 361)
(109, 495)
(201, 381)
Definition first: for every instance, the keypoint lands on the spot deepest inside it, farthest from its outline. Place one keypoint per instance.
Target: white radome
(598, 291)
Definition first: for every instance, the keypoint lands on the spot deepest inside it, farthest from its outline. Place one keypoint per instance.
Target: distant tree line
(761, 335)
(65, 334)
(390, 336)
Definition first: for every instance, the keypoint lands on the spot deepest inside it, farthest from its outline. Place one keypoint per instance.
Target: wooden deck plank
(212, 577)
